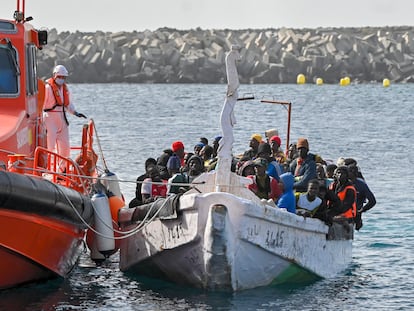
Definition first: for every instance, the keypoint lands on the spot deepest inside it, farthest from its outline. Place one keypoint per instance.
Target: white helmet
(60, 70)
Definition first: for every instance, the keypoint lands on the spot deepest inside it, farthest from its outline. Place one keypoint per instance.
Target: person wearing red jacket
(264, 186)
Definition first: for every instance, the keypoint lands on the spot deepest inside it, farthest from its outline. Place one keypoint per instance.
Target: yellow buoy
(347, 80)
(300, 79)
(319, 81)
(386, 83)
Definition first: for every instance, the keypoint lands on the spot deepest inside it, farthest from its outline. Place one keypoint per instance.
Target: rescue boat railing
(61, 170)
(77, 174)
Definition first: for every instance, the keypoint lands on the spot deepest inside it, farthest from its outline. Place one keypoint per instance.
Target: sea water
(368, 122)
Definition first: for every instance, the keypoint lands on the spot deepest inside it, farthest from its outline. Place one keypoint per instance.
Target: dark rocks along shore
(166, 55)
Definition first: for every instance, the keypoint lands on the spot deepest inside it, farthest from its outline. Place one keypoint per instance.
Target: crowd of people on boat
(296, 180)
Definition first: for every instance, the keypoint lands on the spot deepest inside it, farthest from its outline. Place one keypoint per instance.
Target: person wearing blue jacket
(287, 199)
(303, 167)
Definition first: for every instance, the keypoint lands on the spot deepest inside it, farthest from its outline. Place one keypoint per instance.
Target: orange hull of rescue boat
(34, 248)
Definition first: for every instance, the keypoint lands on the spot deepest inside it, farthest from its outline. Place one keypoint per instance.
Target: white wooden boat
(220, 236)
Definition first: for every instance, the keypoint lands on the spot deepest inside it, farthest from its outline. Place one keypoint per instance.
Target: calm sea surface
(375, 125)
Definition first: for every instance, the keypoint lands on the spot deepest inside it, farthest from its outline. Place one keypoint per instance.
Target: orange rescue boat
(44, 214)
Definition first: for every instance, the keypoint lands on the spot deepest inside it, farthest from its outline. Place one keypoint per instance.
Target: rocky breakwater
(268, 55)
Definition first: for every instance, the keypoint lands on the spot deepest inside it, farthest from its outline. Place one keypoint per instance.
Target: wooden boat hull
(222, 242)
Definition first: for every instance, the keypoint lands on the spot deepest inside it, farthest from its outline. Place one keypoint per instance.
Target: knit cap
(173, 163)
(276, 139)
(302, 143)
(257, 137)
(177, 145)
(260, 162)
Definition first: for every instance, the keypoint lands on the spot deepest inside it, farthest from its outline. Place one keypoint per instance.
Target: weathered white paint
(22, 137)
(227, 121)
(253, 241)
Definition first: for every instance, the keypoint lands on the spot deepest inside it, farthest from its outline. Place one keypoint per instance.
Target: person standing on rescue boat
(57, 101)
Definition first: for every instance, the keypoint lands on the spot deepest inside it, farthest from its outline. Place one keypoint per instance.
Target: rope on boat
(191, 185)
(135, 182)
(125, 234)
(7, 151)
(143, 223)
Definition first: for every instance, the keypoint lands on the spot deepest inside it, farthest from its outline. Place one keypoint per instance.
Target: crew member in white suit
(57, 102)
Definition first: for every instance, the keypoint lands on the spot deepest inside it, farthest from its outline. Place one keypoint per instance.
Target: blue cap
(173, 163)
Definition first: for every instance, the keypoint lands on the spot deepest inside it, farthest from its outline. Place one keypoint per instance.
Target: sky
(140, 15)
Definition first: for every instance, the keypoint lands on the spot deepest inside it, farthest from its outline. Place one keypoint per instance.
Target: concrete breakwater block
(268, 55)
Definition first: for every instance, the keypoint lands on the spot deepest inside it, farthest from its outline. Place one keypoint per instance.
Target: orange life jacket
(350, 213)
(56, 93)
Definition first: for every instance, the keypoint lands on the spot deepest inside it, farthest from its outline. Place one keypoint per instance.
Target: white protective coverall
(56, 126)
